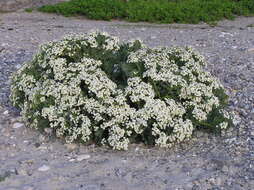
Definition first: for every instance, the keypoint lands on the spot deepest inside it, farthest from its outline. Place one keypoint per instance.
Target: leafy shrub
(91, 88)
(162, 11)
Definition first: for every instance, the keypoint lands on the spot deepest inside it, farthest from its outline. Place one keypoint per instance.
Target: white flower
(82, 99)
(223, 125)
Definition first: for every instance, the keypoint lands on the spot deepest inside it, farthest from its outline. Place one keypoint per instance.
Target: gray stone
(83, 157)
(43, 168)
(18, 125)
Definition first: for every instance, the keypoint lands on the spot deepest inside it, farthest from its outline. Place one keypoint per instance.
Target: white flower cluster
(66, 88)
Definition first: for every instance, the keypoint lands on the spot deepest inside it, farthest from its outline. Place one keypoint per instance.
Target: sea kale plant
(91, 88)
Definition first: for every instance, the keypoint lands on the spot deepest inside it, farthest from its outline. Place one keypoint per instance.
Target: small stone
(72, 160)
(83, 157)
(14, 171)
(225, 169)
(37, 144)
(252, 133)
(251, 50)
(44, 168)
(212, 180)
(223, 34)
(42, 147)
(6, 112)
(18, 125)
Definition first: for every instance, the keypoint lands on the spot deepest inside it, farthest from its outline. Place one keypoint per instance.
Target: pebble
(251, 50)
(43, 168)
(136, 149)
(37, 144)
(83, 157)
(225, 34)
(42, 147)
(225, 169)
(18, 125)
(6, 112)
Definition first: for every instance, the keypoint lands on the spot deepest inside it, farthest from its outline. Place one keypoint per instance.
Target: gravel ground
(14, 5)
(30, 160)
